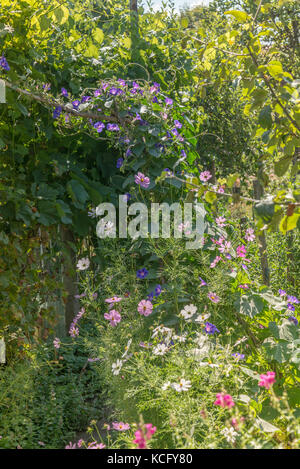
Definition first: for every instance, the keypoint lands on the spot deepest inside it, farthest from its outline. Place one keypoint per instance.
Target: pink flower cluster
(241, 251)
(224, 400)
(120, 426)
(142, 180)
(74, 331)
(143, 435)
(114, 317)
(145, 307)
(267, 380)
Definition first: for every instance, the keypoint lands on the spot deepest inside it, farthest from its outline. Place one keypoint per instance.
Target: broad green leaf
(249, 305)
(288, 223)
(281, 166)
(241, 16)
(98, 35)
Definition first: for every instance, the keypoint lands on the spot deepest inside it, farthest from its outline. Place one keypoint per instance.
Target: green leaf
(265, 209)
(98, 35)
(241, 16)
(184, 22)
(282, 165)
(249, 305)
(77, 193)
(265, 118)
(288, 223)
(61, 14)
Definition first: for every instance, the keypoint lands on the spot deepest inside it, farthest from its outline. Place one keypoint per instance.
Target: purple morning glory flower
(177, 124)
(293, 320)
(291, 307)
(97, 93)
(157, 290)
(84, 99)
(169, 101)
(154, 99)
(4, 64)
(113, 127)
(155, 88)
(175, 132)
(281, 292)
(293, 299)
(104, 86)
(142, 273)
(183, 153)
(239, 356)
(150, 296)
(128, 152)
(122, 82)
(76, 103)
(113, 91)
(64, 92)
(99, 126)
(57, 112)
(210, 328)
(120, 162)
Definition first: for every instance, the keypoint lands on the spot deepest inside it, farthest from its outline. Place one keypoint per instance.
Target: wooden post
(258, 194)
(69, 276)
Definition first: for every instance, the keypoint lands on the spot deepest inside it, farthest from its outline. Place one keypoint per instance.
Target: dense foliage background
(97, 91)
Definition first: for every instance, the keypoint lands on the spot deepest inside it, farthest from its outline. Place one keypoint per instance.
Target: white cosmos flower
(180, 338)
(160, 349)
(83, 263)
(229, 434)
(188, 311)
(116, 367)
(202, 318)
(183, 385)
(166, 385)
(211, 365)
(161, 330)
(127, 348)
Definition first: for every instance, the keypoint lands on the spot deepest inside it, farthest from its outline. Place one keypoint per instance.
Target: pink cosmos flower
(241, 251)
(221, 221)
(267, 380)
(56, 343)
(71, 445)
(215, 261)
(113, 299)
(213, 297)
(145, 307)
(114, 317)
(224, 400)
(142, 180)
(95, 445)
(244, 286)
(120, 426)
(249, 236)
(225, 247)
(205, 176)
